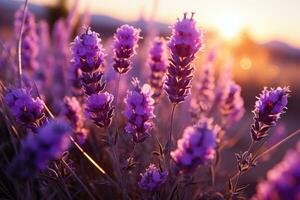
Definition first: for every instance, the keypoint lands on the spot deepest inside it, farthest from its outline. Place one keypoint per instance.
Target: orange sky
(265, 19)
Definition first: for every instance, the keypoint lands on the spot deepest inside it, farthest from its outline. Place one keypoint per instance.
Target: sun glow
(229, 26)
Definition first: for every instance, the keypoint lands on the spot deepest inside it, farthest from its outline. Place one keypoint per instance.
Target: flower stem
(117, 108)
(171, 124)
(170, 139)
(116, 165)
(20, 45)
(213, 175)
(257, 157)
(84, 153)
(78, 179)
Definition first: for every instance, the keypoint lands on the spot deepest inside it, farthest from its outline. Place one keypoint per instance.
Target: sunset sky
(265, 19)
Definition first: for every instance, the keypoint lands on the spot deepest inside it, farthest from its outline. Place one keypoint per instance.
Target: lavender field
(94, 106)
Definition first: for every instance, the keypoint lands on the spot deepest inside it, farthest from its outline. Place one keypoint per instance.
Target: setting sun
(229, 26)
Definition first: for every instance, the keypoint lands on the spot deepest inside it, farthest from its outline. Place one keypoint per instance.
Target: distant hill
(279, 50)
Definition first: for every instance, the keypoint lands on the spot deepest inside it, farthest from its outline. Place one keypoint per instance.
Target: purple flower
(139, 111)
(158, 63)
(38, 149)
(99, 108)
(30, 45)
(203, 101)
(153, 178)
(232, 104)
(29, 112)
(283, 180)
(270, 104)
(125, 44)
(186, 40)
(184, 43)
(73, 111)
(87, 55)
(197, 145)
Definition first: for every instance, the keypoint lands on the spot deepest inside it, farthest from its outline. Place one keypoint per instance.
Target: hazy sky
(265, 19)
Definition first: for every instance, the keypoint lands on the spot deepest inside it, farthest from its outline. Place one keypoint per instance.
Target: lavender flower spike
(158, 63)
(125, 44)
(283, 180)
(184, 43)
(38, 149)
(203, 101)
(87, 55)
(270, 104)
(30, 45)
(29, 112)
(231, 105)
(99, 108)
(73, 111)
(153, 178)
(139, 111)
(197, 145)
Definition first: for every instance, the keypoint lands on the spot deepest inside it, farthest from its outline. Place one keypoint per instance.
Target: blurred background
(260, 40)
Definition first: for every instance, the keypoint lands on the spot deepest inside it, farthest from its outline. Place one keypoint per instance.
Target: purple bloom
(38, 149)
(186, 40)
(125, 44)
(153, 178)
(184, 43)
(158, 63)
(87, 55)
(139, 111)
(29, 46)
(283, 181)
(29, 112)
(270, 105)
(99, 108)
(232, 104)
(197, 145)
(205, 92)
(73, 111)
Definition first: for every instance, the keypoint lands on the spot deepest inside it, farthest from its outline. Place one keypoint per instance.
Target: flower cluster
(270, 105)
(87, 55)
(30, 45)
(283, 180)
(139, 111)
(205, 93)
(184, 43)
(38, 149)
(153, 178)
(232, 104)
(99, 108)
(158, 63)
(197, 145)
(73, 111)
(29, 112)
(125, 44)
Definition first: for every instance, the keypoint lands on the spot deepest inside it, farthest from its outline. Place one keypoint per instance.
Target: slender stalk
(170, 139)
(174, 187)
(116, 164)
(78, 179)
(171, 124)
(20, 45)
(257, 157)
(237, 181)
(117, 107)
(213, 175)
(100, 169)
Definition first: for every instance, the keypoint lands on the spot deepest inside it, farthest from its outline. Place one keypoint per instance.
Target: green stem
(117, 107)
(170, 140)
(20, 45)
(92, 161)
(78, 179)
